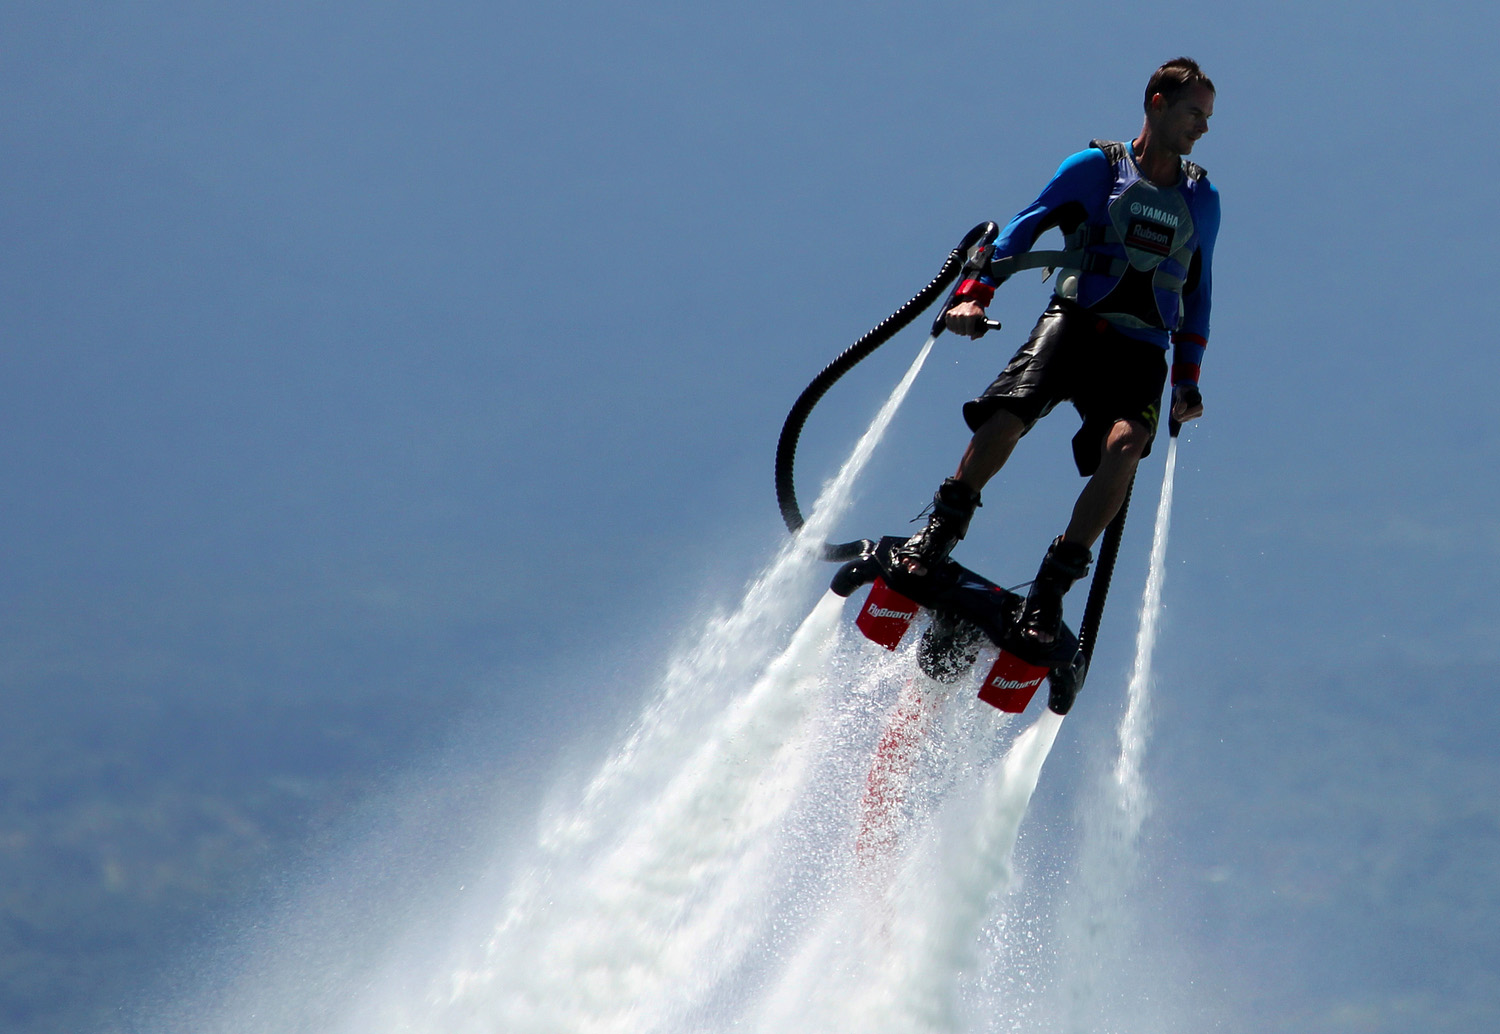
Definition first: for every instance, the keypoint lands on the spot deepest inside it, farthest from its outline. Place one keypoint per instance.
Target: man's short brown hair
(1173, 77)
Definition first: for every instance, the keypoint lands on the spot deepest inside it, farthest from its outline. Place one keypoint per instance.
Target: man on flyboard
(1142, 220)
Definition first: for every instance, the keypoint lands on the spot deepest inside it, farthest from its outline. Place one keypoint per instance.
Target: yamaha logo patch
(1161, 215)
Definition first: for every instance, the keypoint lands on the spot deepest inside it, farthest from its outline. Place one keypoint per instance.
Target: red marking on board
(1011, 683)
(886, 615)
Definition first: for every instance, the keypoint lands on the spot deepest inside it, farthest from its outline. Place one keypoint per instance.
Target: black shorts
(1073, 355)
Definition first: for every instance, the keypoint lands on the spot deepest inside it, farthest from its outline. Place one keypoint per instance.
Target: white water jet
(678, 825)
(1100, 928)
(706, 876)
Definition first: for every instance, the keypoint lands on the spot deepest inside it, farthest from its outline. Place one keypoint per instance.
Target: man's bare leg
(1101, 498)
(986, 453)
(990, 448)
(1068, 557)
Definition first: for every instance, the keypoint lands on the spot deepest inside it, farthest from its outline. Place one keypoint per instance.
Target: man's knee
(1127, 440)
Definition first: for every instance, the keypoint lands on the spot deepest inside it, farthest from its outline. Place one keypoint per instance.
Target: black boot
(1064, 564)
(953, 506)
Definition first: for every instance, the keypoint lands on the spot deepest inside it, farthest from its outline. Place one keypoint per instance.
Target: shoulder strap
(1114, 150)
(1074, 257)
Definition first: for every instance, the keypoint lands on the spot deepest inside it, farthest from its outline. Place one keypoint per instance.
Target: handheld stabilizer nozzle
(976, 263)
(1193, 397)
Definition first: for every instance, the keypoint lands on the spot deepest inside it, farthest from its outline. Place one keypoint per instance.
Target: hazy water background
(365, 368)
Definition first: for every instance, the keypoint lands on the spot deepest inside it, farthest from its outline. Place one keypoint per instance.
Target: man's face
(1179, 125)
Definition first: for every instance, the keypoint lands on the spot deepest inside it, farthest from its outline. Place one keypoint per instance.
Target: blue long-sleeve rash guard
(1081, 191)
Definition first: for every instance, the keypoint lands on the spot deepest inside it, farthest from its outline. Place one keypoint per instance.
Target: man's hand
(966, 318)
(1187, 403)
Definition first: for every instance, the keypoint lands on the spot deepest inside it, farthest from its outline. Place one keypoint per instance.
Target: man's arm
(1081, 180)
(1190, 340)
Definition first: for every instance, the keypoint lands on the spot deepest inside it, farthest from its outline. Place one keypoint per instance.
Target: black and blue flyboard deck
(966, 610)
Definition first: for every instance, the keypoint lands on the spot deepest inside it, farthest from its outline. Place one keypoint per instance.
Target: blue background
(364, 362)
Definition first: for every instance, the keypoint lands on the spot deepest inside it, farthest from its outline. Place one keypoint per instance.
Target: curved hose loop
(791, 430)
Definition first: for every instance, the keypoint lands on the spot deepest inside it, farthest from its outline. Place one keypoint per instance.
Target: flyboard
(966, 609)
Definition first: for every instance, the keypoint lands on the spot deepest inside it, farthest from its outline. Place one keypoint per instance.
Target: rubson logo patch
(1146, 235)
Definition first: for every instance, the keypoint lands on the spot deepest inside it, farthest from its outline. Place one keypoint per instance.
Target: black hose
(1109, 549)
(791, 430)
(1104, 571)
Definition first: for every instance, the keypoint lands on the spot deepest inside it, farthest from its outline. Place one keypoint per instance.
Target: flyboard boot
(953, 506)
(1064, 564)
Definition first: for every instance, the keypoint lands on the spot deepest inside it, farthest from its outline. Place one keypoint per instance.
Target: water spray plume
(797, 834)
